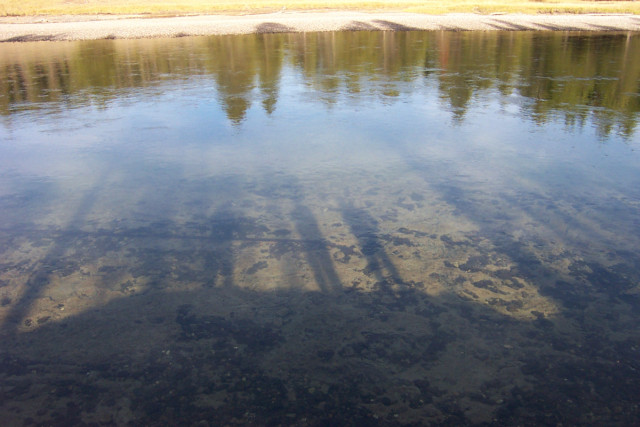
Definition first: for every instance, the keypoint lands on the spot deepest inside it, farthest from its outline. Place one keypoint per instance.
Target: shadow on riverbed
(184, 338)
(321, 266)
(230, 355)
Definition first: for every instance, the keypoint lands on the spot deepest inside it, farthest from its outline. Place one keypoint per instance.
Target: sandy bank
(101, 27)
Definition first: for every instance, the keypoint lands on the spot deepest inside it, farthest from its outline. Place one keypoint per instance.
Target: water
(359, 228)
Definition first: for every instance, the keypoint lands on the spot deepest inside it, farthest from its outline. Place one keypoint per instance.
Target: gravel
(20, 29)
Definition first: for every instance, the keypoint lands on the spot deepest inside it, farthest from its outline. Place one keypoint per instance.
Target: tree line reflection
(572, 76)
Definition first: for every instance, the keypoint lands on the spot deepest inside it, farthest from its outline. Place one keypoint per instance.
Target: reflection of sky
(180, 131)
(172, 154)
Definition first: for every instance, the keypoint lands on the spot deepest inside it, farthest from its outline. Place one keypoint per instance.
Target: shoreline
(96, 27)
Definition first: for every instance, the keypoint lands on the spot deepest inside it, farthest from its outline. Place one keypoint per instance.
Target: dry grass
(163, 7)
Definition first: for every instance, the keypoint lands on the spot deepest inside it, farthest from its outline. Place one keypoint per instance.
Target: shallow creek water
(358, 228)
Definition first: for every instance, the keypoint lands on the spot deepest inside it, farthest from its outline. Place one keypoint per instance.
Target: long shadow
(358, 26)
(616, 283)
(311, 243)
(365, 228)
(501, 24)
(590, 295)
(222, 354)
(54, 260)
(452, 28)
(29, 38)
(227, 227)
(225, 356)
(315, 249)
(559, 27)
(394, 26)
(606, 27)
(586, 339)
(273, 27)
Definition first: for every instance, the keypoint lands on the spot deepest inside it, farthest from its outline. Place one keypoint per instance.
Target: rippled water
(358, 228)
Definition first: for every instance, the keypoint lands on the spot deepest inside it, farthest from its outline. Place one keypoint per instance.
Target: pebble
(89, 27)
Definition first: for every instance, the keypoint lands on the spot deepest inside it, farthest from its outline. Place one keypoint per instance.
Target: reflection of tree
(576, 77)
(572, 75)
(233, 64)
(236, 62)
(461, 72)
(359, 63)
(270, 58)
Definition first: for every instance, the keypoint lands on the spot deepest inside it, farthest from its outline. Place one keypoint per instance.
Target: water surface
(358, 228)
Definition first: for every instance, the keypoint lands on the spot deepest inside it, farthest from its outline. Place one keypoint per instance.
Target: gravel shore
(19, 29)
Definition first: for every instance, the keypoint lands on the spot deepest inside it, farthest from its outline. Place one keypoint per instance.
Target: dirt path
(14, 29)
